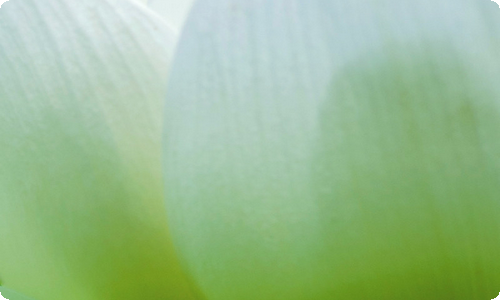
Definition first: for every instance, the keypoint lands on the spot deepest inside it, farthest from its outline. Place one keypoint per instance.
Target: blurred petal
(81, 199)
(174, 11)
(319, 149)
(12, 295)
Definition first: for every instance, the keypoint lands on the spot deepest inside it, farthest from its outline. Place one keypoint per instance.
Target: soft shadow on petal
(408, 161)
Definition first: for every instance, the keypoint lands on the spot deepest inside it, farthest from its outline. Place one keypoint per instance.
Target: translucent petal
(319, 149)
(81, 199)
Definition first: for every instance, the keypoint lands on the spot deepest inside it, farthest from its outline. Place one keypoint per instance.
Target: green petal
(12, 295)
(319, 149)
(81, 198)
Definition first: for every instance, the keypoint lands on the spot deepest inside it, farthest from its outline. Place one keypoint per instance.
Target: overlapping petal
(81, 199)
(319, 149)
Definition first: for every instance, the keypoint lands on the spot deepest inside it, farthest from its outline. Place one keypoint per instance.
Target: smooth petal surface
(81, 199)
(11, 295)
(319, 149)
(174, 11)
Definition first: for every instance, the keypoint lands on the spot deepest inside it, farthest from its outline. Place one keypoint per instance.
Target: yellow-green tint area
(81, 198)
(407, 177)
(12, 295)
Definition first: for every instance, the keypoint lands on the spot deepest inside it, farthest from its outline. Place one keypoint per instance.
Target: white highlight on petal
(174, 11)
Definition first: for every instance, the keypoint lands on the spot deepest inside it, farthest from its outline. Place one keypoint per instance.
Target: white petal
(319, 149)
(81, 209)
(174, 11)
